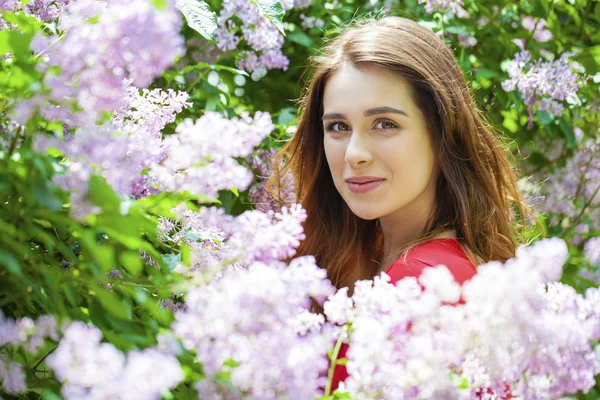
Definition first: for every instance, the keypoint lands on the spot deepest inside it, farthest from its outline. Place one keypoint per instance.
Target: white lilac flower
(84, 365)
(517, 331)
(251, 316)
(200, 156)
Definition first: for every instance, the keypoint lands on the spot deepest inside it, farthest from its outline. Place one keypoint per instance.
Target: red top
(428, 254)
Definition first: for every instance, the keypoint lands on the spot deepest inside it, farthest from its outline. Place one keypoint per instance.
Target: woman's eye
(336, 126)
(386, 124)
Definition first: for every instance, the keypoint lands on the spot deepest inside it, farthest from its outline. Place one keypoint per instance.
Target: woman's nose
(358, 152)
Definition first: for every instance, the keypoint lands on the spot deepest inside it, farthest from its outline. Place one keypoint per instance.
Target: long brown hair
(477, 193)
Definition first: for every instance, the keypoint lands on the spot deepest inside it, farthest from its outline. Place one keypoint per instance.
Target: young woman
(394, 164)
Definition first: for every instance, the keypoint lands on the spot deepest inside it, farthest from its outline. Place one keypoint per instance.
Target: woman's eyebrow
(368, 113)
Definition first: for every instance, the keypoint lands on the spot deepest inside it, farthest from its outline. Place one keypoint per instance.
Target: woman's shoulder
(441, 251)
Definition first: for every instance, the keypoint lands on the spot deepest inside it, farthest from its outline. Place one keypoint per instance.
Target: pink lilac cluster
(120, 150)
(591, 250)
(261, 163)
(543, 84)
(517, 330)
(28, 334)
(571, 188)
(91, 369)
(242, 19)
(129, 39)
(201, 155)
(251, 324)
(537, 27)
(432, 6)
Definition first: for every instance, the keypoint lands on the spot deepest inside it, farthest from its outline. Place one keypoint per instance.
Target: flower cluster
(243, 19)
(516, 326)
(120, 150)
(94, 370)
(44, 10)
(572, 193)
(253, 325)
(124, 40)
(432, 6)
(543, 84)
(200, 157)
(537, 27)
(218, 240)
(28, 334)
(591, 250)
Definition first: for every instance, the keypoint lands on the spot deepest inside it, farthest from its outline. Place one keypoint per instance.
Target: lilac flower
(516, 327)
(12, 377)
(540, 34)
(542, 83)
(252, 316)
(120, 150)
(568, 189)
(46, 10)
(268, 236)
(200, 156)
(432, 6)
(592, 250)
(311, 22)
(257, 32)
(129, 40)
(84, 365)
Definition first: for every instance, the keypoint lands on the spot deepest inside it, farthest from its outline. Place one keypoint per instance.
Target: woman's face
(377, 144)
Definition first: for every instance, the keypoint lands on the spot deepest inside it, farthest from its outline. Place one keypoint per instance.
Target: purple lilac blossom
(257, 31)
(84, 365)
(567, 188)
(120, 150)
(128, 40)
(46, 10)
(12, 377)
(432, 6)
(30, 335)
(591, 250)
(543, 84)
(537, 27)
(249, 315)
(200, 156)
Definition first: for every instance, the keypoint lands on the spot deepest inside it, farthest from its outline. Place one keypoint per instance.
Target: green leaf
(159, 4)
(273, 10)
(301, 38)
(568, 131)
(231, 363)
(199, 17)
(10, 262)
(101, 194)
(116, 307)
(186, 254)
(132, 262)
(171, 260)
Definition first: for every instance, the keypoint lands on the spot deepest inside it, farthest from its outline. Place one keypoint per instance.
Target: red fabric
(429, 254)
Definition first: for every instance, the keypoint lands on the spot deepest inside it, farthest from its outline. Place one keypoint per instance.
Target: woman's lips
(364, 187)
